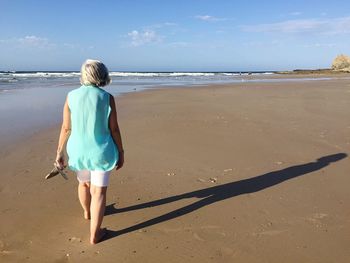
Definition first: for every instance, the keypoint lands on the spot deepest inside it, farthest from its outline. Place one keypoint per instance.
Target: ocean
(123, 81)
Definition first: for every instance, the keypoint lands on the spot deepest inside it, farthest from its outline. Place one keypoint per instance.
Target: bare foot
(99, 236)
(87, 215)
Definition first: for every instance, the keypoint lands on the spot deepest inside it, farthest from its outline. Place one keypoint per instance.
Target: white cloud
(70, 45)
(39, 43)
(320, 45)
(205, 17)
(34, 41)
(297, 13)
(30, 41)
(169, 24)
(209, 18)
(318, 26)
(146, 36)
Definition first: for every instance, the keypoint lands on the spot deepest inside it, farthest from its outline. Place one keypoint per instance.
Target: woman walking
(94, 144)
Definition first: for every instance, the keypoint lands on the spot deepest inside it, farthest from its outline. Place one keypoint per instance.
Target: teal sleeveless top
(90, 145)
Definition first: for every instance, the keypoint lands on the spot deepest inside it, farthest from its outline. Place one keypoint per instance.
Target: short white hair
(94, 72)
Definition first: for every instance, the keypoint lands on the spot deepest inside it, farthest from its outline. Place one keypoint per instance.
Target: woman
(94, 146)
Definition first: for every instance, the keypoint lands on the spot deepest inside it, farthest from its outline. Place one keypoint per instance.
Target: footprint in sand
(201, 180)
(196, 236)
(75, 239)
(209, 227)
(317, 219)
(319, 215)
(3, 250)
(6, 252)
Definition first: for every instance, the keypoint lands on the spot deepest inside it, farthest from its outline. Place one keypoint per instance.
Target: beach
(240, 172)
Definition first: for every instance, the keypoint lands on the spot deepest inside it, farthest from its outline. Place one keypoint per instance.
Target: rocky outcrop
(341, 63)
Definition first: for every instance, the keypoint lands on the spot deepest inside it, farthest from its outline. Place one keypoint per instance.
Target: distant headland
(341, 64)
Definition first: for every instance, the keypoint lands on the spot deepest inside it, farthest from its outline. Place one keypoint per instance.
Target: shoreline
(17, 133)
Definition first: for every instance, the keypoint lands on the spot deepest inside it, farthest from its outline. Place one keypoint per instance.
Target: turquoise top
(90, 145)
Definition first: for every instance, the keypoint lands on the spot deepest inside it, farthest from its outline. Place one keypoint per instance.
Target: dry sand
(251, 172)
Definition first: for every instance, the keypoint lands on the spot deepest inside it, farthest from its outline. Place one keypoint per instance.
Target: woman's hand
(60, 162)
(64, 135)
(120, 161)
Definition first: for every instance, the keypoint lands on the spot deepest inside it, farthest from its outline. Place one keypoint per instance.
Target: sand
(250, 172)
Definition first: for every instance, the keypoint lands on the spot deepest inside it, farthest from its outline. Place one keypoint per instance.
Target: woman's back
(90, 145)
(94, 144)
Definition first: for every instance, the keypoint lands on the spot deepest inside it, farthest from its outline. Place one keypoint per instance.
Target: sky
(181, 35)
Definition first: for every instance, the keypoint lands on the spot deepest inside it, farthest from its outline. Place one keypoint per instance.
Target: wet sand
(249, 172)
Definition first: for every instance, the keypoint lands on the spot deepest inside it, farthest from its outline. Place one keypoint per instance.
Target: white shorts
(97, 178)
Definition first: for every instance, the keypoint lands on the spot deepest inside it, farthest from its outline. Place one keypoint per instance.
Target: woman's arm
(115, 132)
(65, 132)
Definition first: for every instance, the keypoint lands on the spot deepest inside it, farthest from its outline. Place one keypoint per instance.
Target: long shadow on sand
(221, 192)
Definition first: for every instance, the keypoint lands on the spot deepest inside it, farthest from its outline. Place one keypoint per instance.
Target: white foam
(231, 74)
(160, 74)
(45, 74)
(134, 74)
(15, 76)
(128, 74)
(192, 74)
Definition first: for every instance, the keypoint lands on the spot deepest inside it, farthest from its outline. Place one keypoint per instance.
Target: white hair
(94, 72)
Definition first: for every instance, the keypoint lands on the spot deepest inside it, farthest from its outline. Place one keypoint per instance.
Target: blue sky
(192, 35)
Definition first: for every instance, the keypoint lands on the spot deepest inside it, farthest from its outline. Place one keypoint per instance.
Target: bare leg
(97, 210)
(85, 198)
